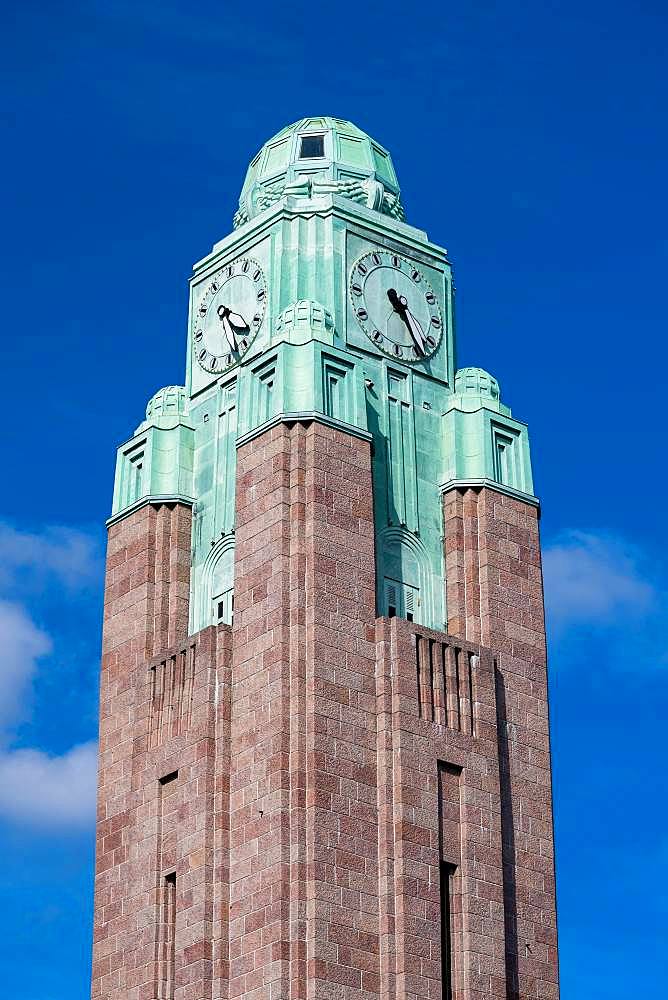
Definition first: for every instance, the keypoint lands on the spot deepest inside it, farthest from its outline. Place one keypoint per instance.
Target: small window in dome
(312, 146)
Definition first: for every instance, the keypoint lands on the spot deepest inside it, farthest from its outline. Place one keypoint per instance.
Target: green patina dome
(167, 407)
(320, 156)
(476, 382)
(170, 401)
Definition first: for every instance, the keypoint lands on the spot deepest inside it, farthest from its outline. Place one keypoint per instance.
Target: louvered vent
(391, 603)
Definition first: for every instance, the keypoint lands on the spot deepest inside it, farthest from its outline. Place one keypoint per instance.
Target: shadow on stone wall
(507, 841)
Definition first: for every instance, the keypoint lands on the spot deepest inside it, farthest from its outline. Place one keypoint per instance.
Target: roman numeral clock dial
(229, 314)
(396, 306)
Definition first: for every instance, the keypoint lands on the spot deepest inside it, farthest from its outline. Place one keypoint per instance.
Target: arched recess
(403, 560)
(216, 591)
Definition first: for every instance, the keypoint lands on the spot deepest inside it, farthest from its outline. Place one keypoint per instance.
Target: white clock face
(229, 314)
(396, 306)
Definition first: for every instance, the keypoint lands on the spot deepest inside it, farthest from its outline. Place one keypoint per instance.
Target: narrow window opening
(447, 875)
(504, 458)
(449, 835)
(168, 936)
(172, 776)
(138, 480)
(312, 146)
(391, 612)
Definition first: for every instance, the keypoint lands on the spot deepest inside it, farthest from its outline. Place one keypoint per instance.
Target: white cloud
(49, 791)
(594, 579)
(35, 787)
(39, 788)
(21, 646)
(69, 555)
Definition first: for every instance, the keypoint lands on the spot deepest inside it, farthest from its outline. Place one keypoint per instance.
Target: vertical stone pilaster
(303, 869)
(423, 823)
(497, 594)
(156, 836)
(219, 874)
(136, 611)
(341, 786)
(462, 563)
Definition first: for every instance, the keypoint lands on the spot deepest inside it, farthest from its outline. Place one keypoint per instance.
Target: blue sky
(530, 139)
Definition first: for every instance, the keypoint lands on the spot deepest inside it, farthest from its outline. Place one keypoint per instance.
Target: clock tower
(324, 747)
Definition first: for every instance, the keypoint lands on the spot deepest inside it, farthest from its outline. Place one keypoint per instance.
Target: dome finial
(318, 156)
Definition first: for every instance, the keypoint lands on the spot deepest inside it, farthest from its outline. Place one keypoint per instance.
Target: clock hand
(400, 305)
(416, 331)
(233, 324)
(223, 313)
(238, 322)
(229, 333)
(396, 301)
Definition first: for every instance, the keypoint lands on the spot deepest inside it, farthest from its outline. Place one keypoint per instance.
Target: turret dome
(167, 408)
(476, 382)
(320, 156)
(171, 401)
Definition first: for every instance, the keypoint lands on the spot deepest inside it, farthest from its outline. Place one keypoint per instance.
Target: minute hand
(416, 330)
(400, 305)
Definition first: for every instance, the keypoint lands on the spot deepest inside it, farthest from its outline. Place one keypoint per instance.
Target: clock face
(229, 314)
(396, 306)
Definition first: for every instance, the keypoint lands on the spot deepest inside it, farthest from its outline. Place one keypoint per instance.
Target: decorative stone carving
(363, 192)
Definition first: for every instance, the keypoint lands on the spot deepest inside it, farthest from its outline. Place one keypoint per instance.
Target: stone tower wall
(287, 806)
